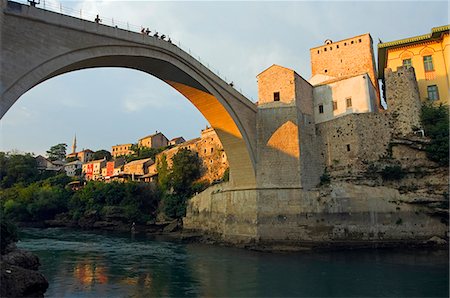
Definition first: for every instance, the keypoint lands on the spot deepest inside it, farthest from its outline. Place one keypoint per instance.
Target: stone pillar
(403, 101)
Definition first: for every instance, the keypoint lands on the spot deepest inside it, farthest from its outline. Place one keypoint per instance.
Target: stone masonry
(402, 98)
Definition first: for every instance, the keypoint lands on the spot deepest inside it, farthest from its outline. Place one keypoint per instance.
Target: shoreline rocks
(19, 276)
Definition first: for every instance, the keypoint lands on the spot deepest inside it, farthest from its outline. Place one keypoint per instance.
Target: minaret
(74, 145)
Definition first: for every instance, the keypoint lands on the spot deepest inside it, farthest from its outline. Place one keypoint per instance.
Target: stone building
(137, 167)
(155, 140)
(71, 168)
(429, 54)
(121, 149)
(344, 58)
(44, 164)
(84, 156)
(176, 141)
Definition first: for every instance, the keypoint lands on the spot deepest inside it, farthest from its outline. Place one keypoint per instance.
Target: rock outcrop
(19, 276)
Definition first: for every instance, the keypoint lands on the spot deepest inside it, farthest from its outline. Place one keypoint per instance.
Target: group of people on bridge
(143, 31)
(148, 31)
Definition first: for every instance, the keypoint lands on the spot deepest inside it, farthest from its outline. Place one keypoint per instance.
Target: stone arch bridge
(37, 45)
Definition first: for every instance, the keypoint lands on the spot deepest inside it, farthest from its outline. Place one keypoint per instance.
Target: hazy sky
(109, 106)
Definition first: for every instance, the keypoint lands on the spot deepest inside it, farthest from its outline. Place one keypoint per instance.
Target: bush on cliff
(392, 173)
(8, 233)
(435, 122)
(137, 201)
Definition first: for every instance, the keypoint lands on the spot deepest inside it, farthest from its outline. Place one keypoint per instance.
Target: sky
(109, 106)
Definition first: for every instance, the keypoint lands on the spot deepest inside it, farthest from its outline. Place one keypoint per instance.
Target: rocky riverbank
(19, 274)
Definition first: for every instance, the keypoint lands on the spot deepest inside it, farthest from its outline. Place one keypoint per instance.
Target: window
(334, 105)
(428, 63)
(276, 96)
(348, 147)
(321, 109)
(212, 149)
(348, 100)
(407, 63)
(433, 92)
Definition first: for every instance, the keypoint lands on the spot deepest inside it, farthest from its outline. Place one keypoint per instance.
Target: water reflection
(82, 264)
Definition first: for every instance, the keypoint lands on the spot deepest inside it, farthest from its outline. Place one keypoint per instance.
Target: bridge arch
(229, 113)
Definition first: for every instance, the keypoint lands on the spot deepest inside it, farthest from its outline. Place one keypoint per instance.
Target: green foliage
(17, 168)
(180, 179)
(137, 201)
(163, 174)
(325, 179)
(392, 173)
(100, 154)
(57, 152)
(186, 168)
(226, 175)
(435, 120)
(70, 159)
(8, 233)
(174, 205)
(40, 200)
(143, 152)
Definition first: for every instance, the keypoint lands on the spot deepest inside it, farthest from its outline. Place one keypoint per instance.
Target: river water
(99, 264)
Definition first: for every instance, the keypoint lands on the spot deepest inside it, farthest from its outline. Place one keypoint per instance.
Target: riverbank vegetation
(30, 195)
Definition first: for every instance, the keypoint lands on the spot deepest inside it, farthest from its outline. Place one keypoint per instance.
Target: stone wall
(276, 79)
(353, 139)
(278, 151)
(403, 100)
(343, 213)
(227, 214)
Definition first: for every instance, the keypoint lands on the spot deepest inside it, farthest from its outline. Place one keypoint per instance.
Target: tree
(186, 169)
(15, 168)
(100, 154)
(57, 152)
(163, 173)
(436, 125)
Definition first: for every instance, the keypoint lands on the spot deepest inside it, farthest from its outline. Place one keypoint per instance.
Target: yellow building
(429, 54)
(121, 149)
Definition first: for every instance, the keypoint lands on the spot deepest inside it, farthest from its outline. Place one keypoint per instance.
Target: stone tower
(348, 57)
(285, 131)
(403, 100)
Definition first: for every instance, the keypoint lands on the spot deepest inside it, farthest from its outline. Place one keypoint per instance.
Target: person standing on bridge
(97, 19)
(148, 31)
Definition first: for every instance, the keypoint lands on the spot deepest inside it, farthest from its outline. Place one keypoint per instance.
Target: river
(99, 264)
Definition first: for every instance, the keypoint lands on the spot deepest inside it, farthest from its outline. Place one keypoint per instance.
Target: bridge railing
(56, 6)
